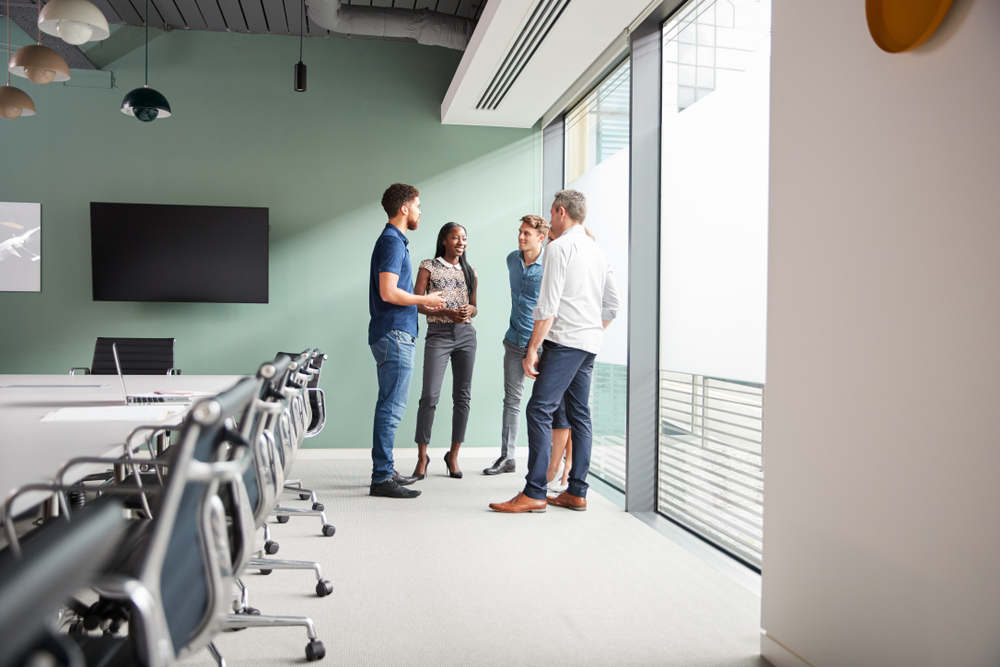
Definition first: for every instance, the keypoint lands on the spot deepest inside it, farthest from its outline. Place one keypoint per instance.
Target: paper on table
(140, 413)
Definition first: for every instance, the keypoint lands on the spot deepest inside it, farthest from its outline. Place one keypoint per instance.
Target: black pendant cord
(8, 41)
(302, 28)
(146, 84)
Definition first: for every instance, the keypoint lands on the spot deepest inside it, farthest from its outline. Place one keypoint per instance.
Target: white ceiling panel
(584, 29)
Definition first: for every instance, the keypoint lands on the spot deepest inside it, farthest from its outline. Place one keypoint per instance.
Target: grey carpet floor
(442, 580)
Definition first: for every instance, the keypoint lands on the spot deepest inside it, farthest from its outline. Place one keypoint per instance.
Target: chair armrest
(8, 519)
(127, 460)
(86, 371)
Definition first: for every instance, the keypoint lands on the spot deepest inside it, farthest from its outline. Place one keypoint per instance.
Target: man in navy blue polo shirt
(392, 333)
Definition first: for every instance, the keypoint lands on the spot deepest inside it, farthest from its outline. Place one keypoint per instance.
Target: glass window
(598, 127)
(713, 271)
(597, 134)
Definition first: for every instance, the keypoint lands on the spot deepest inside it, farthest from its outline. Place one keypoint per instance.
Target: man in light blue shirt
(524, 268)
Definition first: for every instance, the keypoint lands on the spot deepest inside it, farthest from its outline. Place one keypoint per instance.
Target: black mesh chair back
(138, 356)
(260, 476)
(56, 560)
(188, 559)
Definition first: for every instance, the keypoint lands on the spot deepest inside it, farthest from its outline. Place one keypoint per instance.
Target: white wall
(882, 444)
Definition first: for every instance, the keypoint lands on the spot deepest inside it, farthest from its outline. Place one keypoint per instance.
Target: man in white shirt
(577, 301)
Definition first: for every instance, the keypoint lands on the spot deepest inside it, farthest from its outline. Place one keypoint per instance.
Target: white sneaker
(555, 487)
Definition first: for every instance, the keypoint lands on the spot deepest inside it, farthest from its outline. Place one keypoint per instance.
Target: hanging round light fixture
(74, 21)
(14, 102)
(39, 64)
(145, 103)
(300, 67)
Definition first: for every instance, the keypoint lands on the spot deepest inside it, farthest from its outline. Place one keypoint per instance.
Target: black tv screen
(154, 252)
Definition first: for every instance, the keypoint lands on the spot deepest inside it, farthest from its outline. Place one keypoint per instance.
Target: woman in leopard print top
(450, 337)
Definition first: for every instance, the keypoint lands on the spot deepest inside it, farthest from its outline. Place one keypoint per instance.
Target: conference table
(45, 420)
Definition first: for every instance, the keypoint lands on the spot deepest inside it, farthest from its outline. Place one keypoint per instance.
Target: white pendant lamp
(74, 21)
(14, 102)
(38, 63)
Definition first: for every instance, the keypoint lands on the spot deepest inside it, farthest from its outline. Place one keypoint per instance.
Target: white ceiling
(581, 34)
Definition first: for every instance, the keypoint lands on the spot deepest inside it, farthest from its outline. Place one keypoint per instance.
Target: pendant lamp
(300, 67)
(13, 101)
(38, 63)
(145, 103)
(74, 21)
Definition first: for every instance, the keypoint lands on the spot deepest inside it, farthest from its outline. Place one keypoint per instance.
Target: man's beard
(412, 224)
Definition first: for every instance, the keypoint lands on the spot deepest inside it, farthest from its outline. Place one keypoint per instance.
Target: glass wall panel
(597, 164)
(713, 270)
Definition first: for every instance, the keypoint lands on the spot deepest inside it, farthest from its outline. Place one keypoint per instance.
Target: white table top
(31, 450)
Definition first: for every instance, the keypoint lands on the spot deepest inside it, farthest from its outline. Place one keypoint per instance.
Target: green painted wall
(318, 160)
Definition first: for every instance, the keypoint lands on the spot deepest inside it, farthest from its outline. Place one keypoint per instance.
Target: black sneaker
(402, 481)
(390, 488)
(501, 465)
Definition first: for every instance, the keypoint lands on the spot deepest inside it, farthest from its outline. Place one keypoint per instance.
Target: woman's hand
(464, 313)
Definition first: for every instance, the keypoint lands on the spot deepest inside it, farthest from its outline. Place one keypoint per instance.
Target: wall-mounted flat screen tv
(154, 252)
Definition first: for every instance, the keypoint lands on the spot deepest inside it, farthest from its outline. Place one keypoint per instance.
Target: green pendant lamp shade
(145, 103)
(14, 102)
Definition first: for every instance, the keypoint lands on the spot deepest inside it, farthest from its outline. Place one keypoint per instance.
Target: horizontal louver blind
(711, 475)
(608, 392)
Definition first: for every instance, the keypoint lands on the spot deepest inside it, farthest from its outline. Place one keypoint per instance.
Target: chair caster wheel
(283, 518)
(329, 530)
(324, 588)
(318, 507)
(304, 496)
(315, 650)
(252, 611)
(271, 547)
(266, 571)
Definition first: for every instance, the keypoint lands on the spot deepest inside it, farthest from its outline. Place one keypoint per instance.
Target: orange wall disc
(903, 25)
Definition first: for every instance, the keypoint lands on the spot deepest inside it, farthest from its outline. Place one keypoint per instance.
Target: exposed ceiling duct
(422, 26)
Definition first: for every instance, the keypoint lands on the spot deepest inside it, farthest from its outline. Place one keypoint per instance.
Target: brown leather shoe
(520, 503)
(564, 499)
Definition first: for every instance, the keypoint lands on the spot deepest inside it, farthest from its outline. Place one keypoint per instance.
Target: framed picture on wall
(20, 247)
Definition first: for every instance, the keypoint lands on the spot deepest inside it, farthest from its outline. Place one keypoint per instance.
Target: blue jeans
(394, 355)
(563, 374)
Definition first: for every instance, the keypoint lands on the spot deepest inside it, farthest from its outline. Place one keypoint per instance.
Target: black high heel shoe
(447, 462)
(426, 463)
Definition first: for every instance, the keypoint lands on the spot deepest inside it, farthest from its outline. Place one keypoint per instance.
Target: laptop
(153, 398)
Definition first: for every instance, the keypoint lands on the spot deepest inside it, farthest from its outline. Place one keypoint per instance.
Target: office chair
(138, 356)
(172, 580)
(254, 489)
(317, 405)
(56, 560)
(288, 428)
(262, 482)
